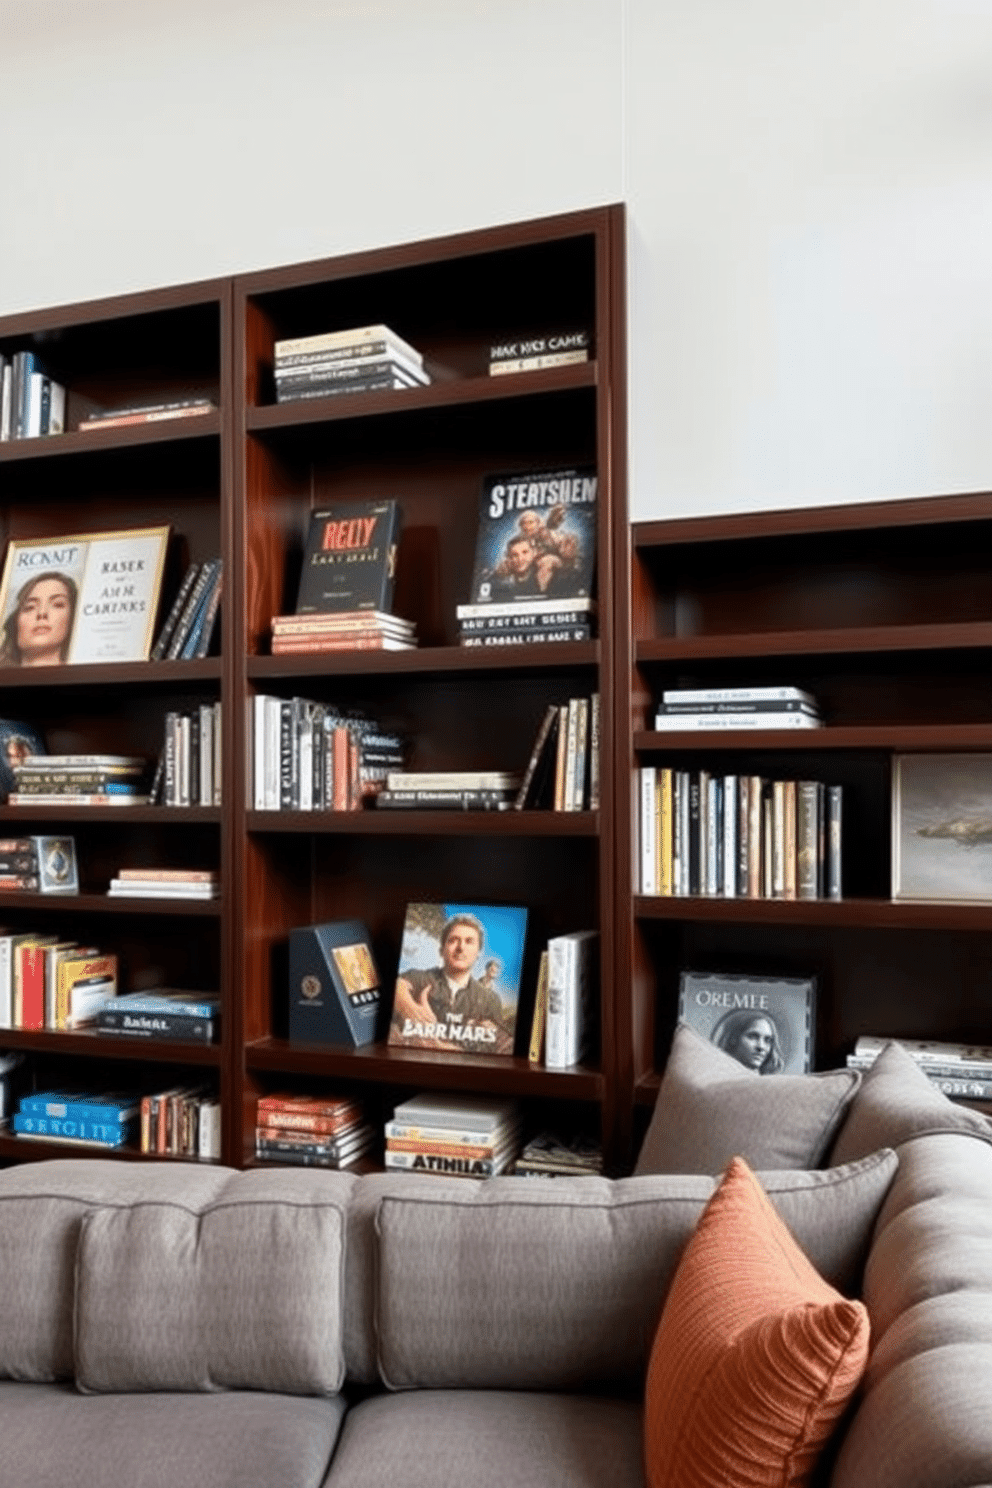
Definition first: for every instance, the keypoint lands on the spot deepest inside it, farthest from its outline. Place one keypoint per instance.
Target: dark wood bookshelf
(882, 611)
(389, 823)
(91, 1044)
(427, 660)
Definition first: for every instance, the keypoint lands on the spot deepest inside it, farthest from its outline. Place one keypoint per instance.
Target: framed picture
(85, 597)
(766, 1023)
(458, 982)
(57, 870)
(942, 827)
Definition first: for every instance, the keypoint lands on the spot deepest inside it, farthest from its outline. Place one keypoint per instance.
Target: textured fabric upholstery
(711, 1109)
(461, 1301)
(755, 1358)
(243, 1293)
(925, 1420)
(41, 1211)
(56, 1438)
(473, 1439)
(897, 1102)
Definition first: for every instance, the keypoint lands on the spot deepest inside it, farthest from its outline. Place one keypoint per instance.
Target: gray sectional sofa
(310, 1329)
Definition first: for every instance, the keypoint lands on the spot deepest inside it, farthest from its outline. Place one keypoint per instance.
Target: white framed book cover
(85, 597)
(766, 1023)
(942, 827)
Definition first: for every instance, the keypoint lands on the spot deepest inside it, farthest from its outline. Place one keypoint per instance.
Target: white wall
(808, 185)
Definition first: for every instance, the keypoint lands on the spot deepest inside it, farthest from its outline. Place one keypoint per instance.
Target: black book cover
(334, 985)
(350, 558)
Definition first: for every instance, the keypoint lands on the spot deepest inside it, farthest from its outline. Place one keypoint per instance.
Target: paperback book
(458, 982)
(349, 562)
(536, 538)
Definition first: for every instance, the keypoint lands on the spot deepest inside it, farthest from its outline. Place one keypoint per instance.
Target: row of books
(190, 767)
(525, 621)
(961, 1071)
(50, 981)
(311, 1131)
(563, 771)
(182, 1121)
(711, 708)
(535, 353)
(350, 630)
(738, 836)
(361, 359)
(563, 1023)
(189, 627)
(307, 756)
(31, 403)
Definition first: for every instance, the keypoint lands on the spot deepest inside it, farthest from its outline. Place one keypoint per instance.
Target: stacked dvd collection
(360, 360)
(311, 1131)
(461, 1136)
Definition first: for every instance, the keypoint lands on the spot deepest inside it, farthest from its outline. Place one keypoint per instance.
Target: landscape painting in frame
(766, 1023)
(942, 827)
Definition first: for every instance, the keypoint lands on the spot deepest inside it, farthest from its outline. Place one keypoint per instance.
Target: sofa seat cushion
(56, 1438)
(490, 1439)
(710, 1108)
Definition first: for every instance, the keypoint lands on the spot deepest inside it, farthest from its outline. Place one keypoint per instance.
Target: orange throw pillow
(755, 1357)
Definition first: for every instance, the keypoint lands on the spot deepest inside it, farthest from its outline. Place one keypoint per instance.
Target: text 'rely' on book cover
(349, 561)
(536, 537)
(766, 1023)
(458, 981)
(89, 597)
(334, 984)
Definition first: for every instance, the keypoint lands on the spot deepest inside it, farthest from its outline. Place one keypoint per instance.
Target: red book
(32, 978)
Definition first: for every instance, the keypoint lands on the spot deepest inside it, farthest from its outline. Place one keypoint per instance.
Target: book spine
(156, 1026)
(466, 1167)
(560, 986)
(649, 884)
(731, 828)
(100, 1133)
(833, 841)
(188, 612)
(807, 838)
(171, 620)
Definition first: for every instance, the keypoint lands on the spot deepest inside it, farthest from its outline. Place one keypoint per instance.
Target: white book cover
(569, 997)
(730, 836)
(6, 982)
(649, 882)
(736, 695)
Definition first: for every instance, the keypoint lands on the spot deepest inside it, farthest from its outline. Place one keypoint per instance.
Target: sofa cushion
(710, 1108)
(557, 1284)
(243, 1293)
(41, 1211)
(755, 1357)
(56, 1438)
(896, 1102)
(492, 1439)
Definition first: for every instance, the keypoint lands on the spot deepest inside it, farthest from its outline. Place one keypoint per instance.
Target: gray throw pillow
(710, 1108)
(896, 1101)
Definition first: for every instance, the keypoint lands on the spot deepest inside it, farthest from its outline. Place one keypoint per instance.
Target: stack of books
(709, 708)
(738, 836)
(31, 402)
(535, 353)
(84, 1118)
(165, 883)
(550, 1156)
(183, 1121)
(189, 628)
(525, 621)
(961, 1071)
(462, 1136)
(449, 790)
(349, 630)
(80, 780)
(162, 1013)
(360, 360)
(311, 1131)
(309, 757)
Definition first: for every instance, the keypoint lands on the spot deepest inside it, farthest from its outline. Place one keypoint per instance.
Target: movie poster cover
(536, 537)
(766, 1023)
(458, 982)
(82, 598)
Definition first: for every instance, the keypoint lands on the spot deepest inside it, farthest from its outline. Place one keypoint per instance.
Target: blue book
(193, 1006)
(79, 1105)
(75, 1129)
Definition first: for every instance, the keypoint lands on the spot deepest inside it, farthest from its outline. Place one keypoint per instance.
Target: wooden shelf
(89, 1044)
(74, 443)
(867, 640)
(876, 914)
(427, 660)
(395, 823)
(117, 674)
(166, 816)
(881, 738)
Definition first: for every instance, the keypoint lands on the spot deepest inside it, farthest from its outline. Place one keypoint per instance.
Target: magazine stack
(461, 1136)
(311, 1131)
(962, 1071)
(550, 1156)
(361, 360)
(534, 560)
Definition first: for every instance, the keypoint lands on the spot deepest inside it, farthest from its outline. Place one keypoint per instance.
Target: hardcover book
(536, 537)
(334, 985)
(458, 983)
(766, 1023)
(350, 558)
(90, 597)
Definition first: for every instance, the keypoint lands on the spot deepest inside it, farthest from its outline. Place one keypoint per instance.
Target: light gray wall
(808, 184)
